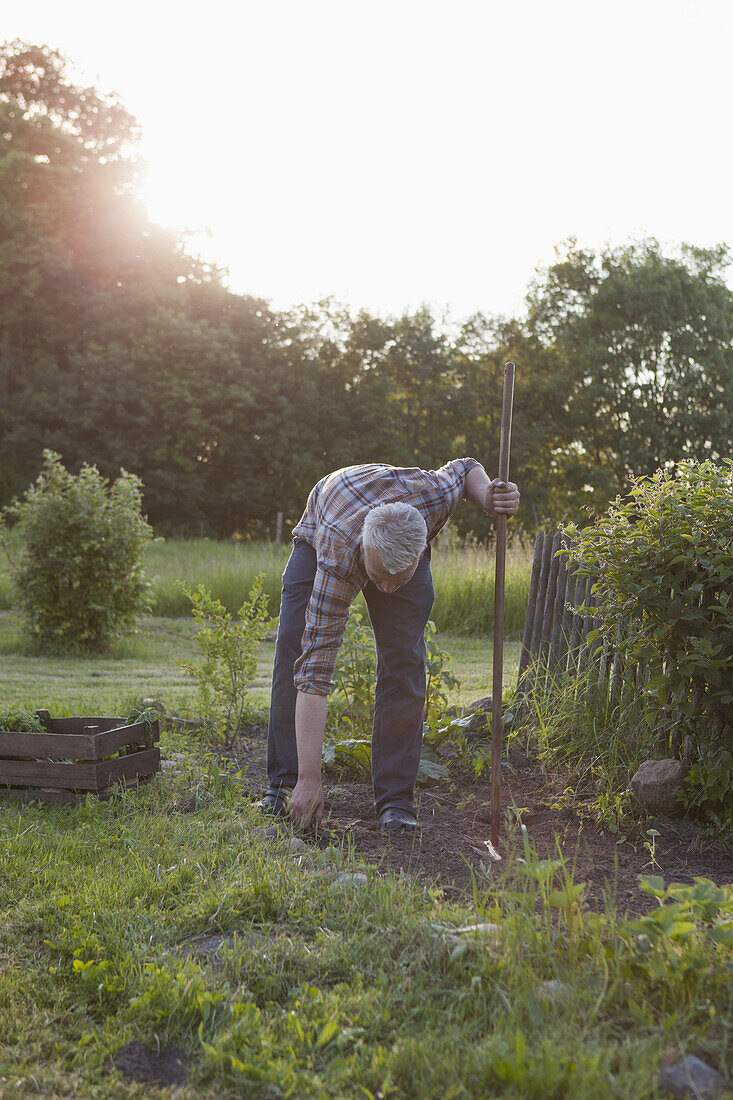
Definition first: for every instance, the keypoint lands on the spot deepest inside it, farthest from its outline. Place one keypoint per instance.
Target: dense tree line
(119, 348)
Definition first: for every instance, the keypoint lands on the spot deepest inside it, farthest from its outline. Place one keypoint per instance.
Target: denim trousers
(398, 620)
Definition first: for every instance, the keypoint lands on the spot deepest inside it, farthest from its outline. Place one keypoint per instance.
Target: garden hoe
(497, 687)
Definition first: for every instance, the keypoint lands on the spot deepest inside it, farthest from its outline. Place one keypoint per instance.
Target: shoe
(274, 803)
(395, 819)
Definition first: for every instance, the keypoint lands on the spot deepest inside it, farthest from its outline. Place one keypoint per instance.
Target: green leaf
(327, 1033)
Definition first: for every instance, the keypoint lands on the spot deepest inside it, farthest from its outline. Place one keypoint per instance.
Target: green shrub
(664, 559)
(78, 573)
(228, 648)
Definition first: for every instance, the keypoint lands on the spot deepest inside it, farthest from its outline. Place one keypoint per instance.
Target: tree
(642, 341)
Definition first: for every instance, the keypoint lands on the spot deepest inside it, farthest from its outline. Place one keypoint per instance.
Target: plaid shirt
(332, 524)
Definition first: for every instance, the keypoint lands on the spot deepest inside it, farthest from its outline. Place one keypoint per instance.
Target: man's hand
(502, 498)
(306, 802)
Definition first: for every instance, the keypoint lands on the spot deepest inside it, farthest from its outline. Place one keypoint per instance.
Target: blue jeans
(398, 621)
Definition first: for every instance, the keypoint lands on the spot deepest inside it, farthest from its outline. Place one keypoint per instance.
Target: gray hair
(398, 532)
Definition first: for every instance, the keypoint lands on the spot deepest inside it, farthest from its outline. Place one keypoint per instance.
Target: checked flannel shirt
(332, 524)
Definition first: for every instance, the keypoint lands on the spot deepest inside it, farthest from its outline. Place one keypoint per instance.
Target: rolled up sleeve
(325, 622)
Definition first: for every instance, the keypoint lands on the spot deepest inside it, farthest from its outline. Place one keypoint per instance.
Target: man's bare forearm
(477, 487)
(310, 727)
(306, 803)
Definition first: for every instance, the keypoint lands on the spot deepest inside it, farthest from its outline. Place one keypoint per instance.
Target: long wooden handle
(497, 686)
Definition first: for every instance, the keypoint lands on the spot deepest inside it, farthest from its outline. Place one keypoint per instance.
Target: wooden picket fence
(555, 637)
(556, 641)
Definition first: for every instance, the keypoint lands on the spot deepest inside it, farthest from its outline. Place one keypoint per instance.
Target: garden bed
(455, 825)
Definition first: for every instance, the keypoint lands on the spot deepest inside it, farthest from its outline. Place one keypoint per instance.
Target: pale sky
(398, 152)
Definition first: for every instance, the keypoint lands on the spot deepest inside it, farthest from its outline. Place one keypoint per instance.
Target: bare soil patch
(161, 1068)
(450, 848)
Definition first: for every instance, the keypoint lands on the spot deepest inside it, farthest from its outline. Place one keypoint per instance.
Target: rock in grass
(297, 845)
(657, 785)
(692, 1077)
(269, 832)
(476, 930)
(554, 991)
(351, 878)
(468, 932)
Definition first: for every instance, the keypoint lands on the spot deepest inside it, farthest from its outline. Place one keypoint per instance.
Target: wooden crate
(67, 761)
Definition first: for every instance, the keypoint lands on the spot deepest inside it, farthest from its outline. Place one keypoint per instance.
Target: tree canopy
(119, 348)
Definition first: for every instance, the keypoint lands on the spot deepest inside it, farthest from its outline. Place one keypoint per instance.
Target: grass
(327, 990)
(146, 665)
(463, 578)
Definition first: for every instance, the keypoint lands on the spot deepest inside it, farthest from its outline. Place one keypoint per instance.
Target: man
(365, 528)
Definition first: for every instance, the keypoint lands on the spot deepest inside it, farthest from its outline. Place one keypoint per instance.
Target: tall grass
(464, 589)
(463, 577)
(228, 569)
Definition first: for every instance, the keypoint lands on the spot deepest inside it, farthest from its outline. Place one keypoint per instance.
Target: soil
(164, 1067)
(450, 847)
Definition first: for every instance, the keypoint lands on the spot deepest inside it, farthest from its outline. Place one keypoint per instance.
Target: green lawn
(324, 986)
(146, 665)
(327, 986)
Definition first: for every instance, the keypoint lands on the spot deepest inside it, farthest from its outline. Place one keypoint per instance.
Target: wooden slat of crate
(78, 776)
(128, 767)
(31, 794)
(70, 744)
(103, 725)
(78, 725)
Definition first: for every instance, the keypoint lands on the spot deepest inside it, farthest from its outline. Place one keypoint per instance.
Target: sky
(394, 153)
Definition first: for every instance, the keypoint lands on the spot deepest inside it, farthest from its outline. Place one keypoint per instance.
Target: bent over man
(365, 528)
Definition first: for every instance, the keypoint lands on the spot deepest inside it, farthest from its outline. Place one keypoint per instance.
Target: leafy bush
(664, 559)
(228, 647)
(79, 575)
(20, 721)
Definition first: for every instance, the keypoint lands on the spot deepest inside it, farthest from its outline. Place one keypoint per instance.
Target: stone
(186, 803)
(467, 932)
(184, 723)
(657, 785)
(555, 991)
(476, 930)
(210, 947)
(269, 832)
(485, 703)
(297, 845)
(351, 878)
(692, 1077)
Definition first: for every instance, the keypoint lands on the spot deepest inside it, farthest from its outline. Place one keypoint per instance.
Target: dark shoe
(395, 819)
(275, 803)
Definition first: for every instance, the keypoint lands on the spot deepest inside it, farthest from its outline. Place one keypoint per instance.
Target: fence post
(278, 528)
(526, 655)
